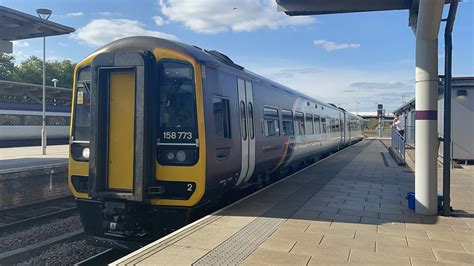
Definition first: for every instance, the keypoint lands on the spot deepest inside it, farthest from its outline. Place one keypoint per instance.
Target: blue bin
(440, 202)
(411, 201)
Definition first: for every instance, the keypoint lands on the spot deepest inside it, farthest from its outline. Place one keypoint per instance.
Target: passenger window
(270, 117)
(287, 122)
(221, 117)
(299, 123)
(309, 124)
(317, 126)
(243, 121)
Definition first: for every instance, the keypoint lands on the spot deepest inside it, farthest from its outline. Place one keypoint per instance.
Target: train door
(121, 130)
(247, 130)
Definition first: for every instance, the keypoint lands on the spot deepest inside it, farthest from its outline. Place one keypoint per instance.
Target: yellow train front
(162, 130)
(134, 143)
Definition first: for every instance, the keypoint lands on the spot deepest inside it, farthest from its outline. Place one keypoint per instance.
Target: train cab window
(82, 105)
(309, 124)
(317, 126)
(299, 123)
(287, 122)
(271, 123)
(221, 117)
(177, 122)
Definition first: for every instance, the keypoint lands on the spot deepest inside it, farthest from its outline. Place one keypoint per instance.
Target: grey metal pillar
(448, 48)
(426, 152)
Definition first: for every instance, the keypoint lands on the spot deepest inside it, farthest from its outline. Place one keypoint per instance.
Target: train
(21, 124)
(161, 131)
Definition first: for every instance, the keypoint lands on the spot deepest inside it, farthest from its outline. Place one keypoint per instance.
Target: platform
(27, 157)
(349, 208)
(45, 176)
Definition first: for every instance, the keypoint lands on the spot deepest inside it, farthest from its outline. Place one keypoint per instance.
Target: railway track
(21, 217)
(24, 253)
(103, 258)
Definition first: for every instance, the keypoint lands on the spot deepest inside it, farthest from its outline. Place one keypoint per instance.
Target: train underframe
(130, 225)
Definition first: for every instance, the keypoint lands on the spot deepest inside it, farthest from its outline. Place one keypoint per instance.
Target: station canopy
(19, 92)
(319, 7)
(16, 25)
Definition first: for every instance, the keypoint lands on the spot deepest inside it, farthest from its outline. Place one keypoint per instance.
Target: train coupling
(120, 218)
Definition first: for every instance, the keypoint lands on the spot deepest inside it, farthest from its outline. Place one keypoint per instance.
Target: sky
(353, 60)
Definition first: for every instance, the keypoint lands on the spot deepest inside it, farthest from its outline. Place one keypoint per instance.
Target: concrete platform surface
(347, 209)
(25, 157)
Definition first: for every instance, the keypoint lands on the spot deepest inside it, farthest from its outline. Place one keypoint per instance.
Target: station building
(462, 102)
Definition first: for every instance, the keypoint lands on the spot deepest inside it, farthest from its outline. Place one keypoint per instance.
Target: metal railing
(409, 135)
(398, 143)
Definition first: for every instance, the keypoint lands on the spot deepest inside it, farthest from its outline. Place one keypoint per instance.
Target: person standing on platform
(396, 125)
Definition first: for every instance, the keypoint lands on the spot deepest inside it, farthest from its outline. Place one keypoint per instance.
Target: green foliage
(7, 67)
(31, 71)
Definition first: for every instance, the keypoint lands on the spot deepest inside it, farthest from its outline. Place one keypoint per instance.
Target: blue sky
(363, 58)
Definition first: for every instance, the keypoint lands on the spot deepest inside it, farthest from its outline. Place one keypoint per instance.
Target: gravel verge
(65, 254)
(38, 233)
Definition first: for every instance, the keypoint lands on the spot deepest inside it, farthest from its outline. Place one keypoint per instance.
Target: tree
(31, 71)
(7, 67)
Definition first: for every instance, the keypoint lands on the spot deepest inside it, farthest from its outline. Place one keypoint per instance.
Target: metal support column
(426, 152)
(448, 50)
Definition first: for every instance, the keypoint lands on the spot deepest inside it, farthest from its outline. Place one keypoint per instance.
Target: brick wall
(33, 185)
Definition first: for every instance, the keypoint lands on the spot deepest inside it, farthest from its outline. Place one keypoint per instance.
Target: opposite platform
(27, 157)
(349, 208)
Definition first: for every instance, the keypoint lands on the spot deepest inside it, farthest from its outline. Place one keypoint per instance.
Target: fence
(409, 135)
(398, 143)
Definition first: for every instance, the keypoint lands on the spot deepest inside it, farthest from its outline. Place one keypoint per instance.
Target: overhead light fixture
(44, 13)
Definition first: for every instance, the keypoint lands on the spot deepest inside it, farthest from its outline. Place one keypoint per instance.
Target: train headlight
(170, 156)
(181, 156)
(86, 153)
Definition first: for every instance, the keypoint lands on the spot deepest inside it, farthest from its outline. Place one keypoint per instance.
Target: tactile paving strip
(239, 246)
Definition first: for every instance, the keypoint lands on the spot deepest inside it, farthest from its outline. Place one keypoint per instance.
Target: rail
(398, 143)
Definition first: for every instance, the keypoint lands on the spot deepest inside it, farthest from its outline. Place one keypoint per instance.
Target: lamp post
(55, 81)
(44, 13)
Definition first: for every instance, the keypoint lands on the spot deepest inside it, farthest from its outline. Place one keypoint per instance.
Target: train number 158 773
(177, 135)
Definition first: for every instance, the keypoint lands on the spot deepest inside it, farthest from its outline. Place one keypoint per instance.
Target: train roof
(202, 55)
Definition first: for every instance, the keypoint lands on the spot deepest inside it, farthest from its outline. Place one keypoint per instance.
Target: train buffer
(347, 208)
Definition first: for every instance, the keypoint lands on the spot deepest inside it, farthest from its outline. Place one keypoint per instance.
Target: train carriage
(162, 130)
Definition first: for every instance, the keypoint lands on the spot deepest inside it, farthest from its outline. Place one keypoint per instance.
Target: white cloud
(75, 14)
(21, 44)
(19, 57)
(339, 85)
(333, 46)
(108, 13)
(101, 31)
(159, 20)
(211, 16)
(387, 85)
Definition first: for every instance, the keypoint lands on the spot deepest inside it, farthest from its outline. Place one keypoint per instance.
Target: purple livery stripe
(426, 115)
